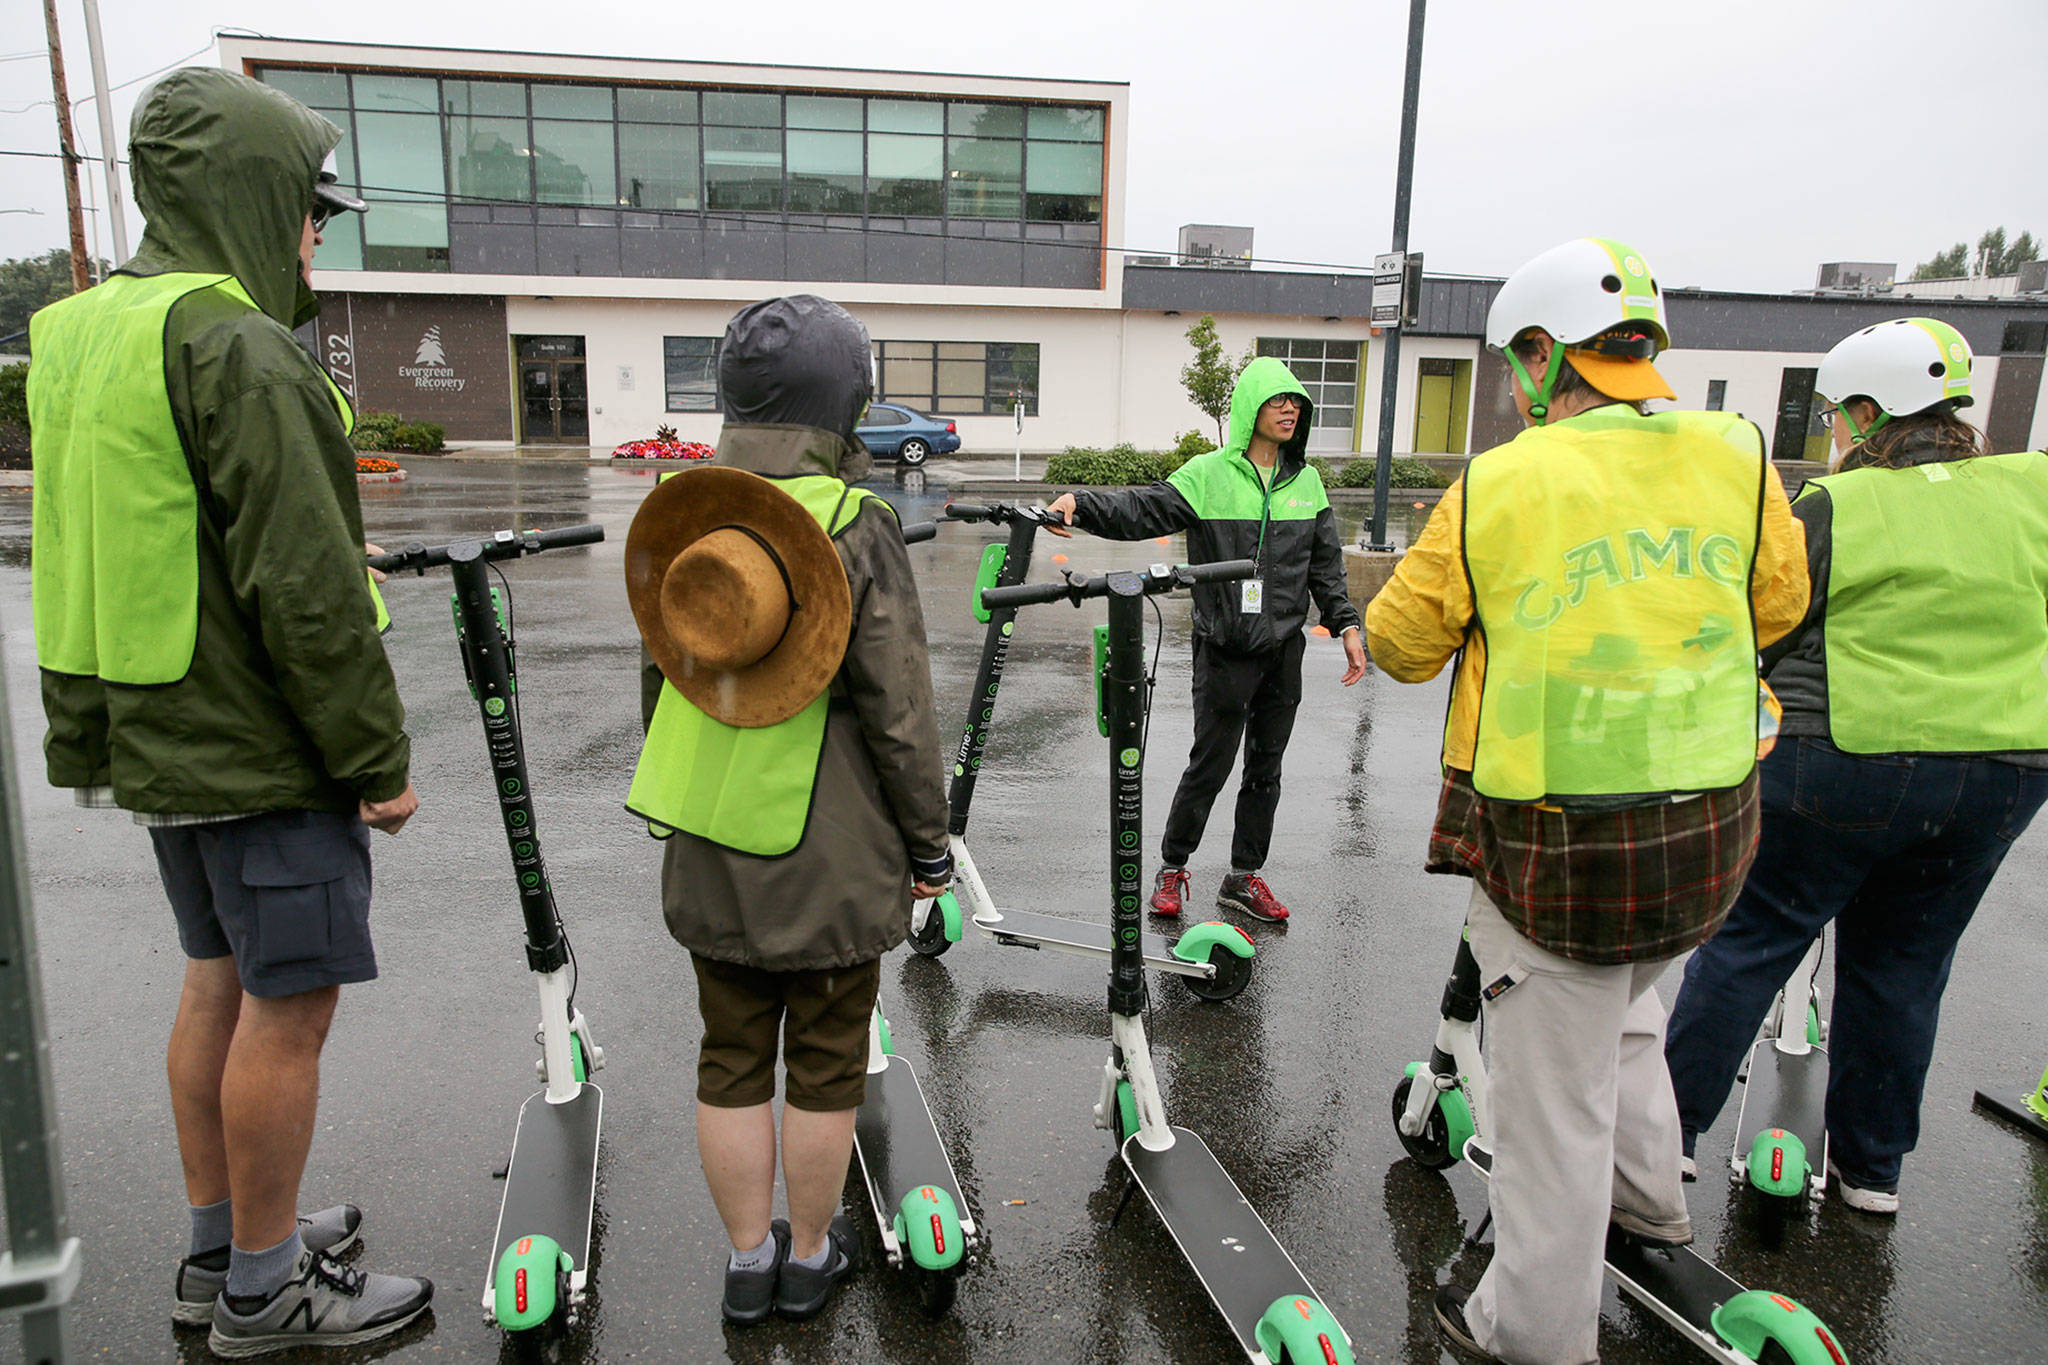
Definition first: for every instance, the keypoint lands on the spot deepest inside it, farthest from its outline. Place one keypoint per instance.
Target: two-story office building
(554, 245)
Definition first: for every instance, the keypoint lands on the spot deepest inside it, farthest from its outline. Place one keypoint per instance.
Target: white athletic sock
(760, 1258)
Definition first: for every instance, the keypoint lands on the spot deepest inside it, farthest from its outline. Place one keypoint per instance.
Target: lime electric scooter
(2029, 1113)
(1214, 959)
(540, 1258)
(1441, 1115)
(1270, 1305)
(923, 1220)
(1781, 1133)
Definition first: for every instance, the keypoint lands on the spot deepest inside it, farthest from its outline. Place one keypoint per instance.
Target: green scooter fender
(1457, 1112)
(928, 1227)
(1305, 1330)
(1756, 1316)
(1777, 1164)
(1194, 945)
(993, 557)
(949, 916)
(523, 1290)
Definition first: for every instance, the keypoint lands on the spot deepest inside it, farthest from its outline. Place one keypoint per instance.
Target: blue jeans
(1897, 849)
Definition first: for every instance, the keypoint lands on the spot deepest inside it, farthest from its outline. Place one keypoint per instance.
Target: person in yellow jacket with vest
(1603, 580)
(1914, 746)
(793, 768)
(210, 663)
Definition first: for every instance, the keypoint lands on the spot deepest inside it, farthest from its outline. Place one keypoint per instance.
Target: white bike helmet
(1596, 298)
(1904, 366)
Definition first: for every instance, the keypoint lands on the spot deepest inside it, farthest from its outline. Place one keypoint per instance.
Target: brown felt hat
(739, 595)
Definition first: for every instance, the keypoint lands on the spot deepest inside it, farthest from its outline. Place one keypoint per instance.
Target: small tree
(1993, 256)
(1211, 375)
(30, 282)
(1946, 265)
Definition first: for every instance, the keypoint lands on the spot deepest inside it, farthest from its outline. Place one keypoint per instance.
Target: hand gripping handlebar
(497, 545)
(1127, 582)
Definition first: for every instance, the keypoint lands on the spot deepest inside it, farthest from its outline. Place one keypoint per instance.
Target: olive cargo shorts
(822, 1017)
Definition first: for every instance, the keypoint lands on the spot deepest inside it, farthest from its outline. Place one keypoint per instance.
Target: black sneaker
(324, 1303)
(1247, 893)
(803, 1292)
(1450, 1320)
(750, 1294)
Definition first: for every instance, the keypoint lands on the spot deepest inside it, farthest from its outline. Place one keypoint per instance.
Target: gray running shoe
(325, 1303)
(803, 1292)
(201, 1278)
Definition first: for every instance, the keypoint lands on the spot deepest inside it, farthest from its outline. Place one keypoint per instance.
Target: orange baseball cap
(1619, 376)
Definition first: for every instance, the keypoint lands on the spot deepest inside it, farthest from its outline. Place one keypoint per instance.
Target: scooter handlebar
(498, 545)
(1156, 579)
(917, 532)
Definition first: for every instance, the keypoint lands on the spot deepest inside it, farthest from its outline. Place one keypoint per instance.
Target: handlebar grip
(917, 532)
(1025, 594)
(967, 511)
(1222, 571)
(387, 563)
(587, 534)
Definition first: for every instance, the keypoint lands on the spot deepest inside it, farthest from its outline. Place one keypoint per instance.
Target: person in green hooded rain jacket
(1257, 498)
(210, 662)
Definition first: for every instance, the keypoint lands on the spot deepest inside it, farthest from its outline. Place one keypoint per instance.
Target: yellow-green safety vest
(1623, 661)
(746, 789)
(1936, 641)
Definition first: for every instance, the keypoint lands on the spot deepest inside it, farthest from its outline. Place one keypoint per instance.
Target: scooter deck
(1030, 929)
(2015, 1113)
(551, 1185)
(1788, 1091)
(900, 1150)
(1673, 1282)
(1234, 1254)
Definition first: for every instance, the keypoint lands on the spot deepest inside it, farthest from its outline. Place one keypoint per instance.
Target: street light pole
(66, 145)
(1390, 368)
(110, 152)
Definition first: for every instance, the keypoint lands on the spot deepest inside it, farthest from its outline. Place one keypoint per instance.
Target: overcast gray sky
(1736, 143)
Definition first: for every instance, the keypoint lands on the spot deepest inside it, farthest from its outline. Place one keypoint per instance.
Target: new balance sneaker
(803, 1291)
(1247, 893)
(1169, 891)
(201, 1278)
(325, 1303)
(1863, 1197)
(1450, 1320)
(750, 1294)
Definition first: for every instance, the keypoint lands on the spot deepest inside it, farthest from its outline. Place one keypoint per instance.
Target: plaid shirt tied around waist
(1633, 885)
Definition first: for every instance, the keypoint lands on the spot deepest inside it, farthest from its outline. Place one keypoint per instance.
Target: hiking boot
(803, 1291)
(1450, 1320)
(324, 1303)
(201, 1278)
(1867, 1198)
(750, 1294)
(1248, 893)
(1676, 1234)
(1169, 891)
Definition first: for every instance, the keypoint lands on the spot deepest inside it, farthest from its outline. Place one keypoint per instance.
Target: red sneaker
(1248, 893)
(1169, 891)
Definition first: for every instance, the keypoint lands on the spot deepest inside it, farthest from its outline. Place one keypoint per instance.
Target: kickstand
(1480, 1231)
(1130, 1187)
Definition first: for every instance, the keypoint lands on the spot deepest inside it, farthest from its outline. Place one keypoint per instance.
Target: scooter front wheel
(931, 940)
(1233, 973)
(1431, 1148)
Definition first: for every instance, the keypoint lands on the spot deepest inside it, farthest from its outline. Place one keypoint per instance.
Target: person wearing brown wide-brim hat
(793, 768)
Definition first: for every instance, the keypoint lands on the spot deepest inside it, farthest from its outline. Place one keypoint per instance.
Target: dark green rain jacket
(290, 703)
(1222, 502)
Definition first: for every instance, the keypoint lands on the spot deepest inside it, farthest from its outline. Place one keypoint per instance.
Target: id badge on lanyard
(1251, 597)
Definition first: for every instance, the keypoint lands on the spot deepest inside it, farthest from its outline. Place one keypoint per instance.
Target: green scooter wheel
(1431, 1148)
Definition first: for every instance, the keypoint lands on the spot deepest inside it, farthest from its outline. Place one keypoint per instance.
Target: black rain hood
(224, 168)
(799, 361)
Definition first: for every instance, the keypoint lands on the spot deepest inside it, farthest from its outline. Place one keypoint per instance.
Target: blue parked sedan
(909, 436)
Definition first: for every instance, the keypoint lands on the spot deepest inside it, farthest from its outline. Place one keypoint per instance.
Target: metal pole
(41, 1267)
(80, 280)
(1390, 368)
(110, 152)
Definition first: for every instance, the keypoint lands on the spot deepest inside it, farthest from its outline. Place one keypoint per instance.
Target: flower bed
(377, 469)
(663, 450)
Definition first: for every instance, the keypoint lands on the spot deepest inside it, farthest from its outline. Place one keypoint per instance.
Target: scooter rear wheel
(1431, 1148)
(1233, 973)
(935, 1289)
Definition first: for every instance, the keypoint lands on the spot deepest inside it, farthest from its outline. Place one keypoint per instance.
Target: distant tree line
(1993, 256)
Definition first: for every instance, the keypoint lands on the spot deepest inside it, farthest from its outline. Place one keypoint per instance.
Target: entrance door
(1796, 427)
(1443, 393)
(554, 396)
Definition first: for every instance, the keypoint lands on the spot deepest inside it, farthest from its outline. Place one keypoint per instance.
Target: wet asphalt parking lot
(1289, 1083)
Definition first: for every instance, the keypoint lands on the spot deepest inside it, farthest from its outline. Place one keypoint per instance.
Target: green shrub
(1120, 464)
(387, 431)
(1323, 470)
(1408, 472)
(1192, 443)
(14, 396)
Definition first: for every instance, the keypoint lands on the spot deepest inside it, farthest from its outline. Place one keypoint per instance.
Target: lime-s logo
(494, 706)
(1632, 264)
(1129, 758)
(1955, 351)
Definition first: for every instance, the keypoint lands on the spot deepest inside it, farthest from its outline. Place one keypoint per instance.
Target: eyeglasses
(1827, 419)
(321, 213)
(1283, 400)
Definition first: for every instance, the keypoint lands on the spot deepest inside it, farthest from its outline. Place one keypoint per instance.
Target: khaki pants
(1583, 1118)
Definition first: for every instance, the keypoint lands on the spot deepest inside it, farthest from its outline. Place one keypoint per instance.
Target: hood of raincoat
(224, 168)
(796, 361)
(1265, 378)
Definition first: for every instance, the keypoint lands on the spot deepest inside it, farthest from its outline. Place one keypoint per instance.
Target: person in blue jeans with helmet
(1913, 749)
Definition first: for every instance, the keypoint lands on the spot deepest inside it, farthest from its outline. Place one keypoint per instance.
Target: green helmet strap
(1858, 435)
(1539, 398)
